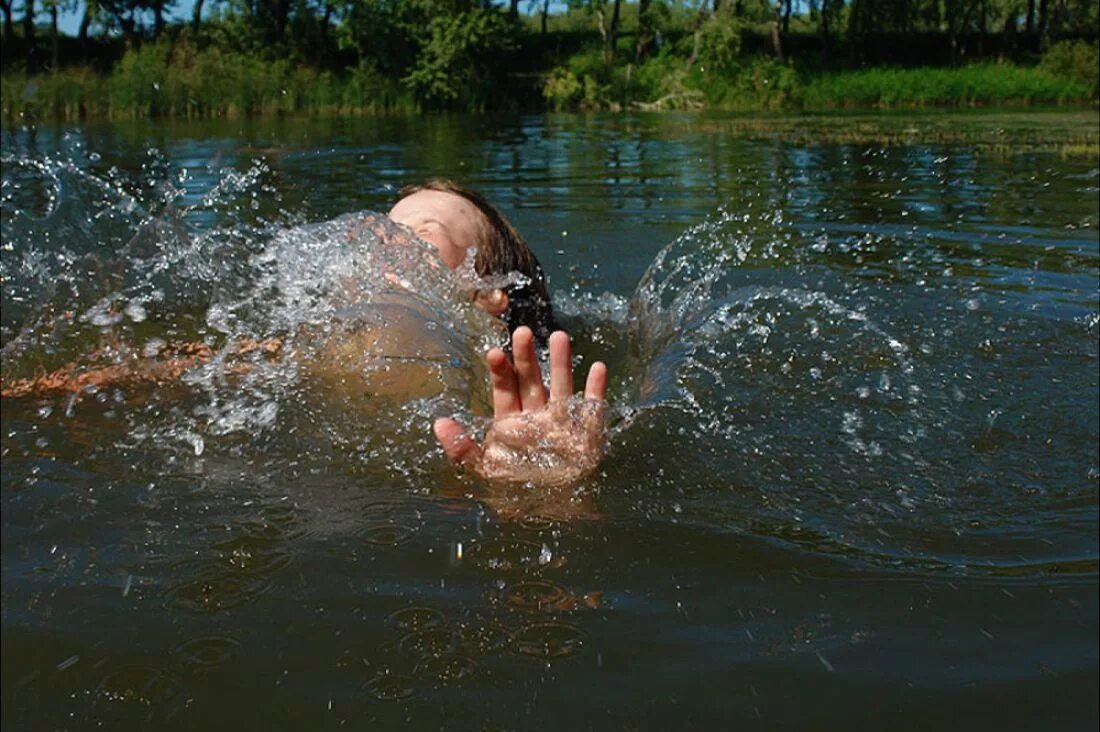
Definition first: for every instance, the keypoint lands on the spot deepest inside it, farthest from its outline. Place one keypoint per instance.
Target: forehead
(449, 209)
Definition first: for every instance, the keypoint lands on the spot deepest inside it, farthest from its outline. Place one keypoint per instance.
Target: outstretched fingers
(506, 399)
(532, 393)
(456, 442)
(595, 386)
(561, 366)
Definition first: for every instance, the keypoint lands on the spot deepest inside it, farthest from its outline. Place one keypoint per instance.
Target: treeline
(242, 57)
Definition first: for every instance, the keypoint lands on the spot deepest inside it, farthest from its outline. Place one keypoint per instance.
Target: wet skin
(538, 436)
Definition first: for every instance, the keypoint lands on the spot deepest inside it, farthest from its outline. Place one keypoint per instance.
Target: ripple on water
(278, 523)
(210, 650)
(506, 555)
(410, 619)
(254, 556)
(548, 640)
(217, 592)
(142, 685)
(486, 639)
(391, 687)
(537, 596)
(431, 643)
(385, 534)
(446, 669)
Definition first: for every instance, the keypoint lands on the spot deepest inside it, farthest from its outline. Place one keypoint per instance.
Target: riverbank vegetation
(260, 57)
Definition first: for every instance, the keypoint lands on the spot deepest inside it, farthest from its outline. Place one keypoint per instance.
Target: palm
(537, 436)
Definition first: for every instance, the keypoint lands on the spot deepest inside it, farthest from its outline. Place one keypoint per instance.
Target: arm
(169, 365)
(537, 437)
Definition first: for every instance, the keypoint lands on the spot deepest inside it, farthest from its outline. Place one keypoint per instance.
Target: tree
(613, 33)
(458, 56)
(28, 33)
(123, 14)
(55, 54)
(645, 30)
(91, 11)
(609, 33)
(777, 41)
(9, 20)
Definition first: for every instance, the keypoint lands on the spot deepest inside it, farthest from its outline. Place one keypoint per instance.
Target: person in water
(537, 435)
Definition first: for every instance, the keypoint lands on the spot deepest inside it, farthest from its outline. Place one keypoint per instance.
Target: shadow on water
(853, 450)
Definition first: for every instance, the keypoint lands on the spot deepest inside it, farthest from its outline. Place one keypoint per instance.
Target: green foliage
(764, 84)
(1077, 60)
(458, 58)
(720, 42)
(562, 89)
(138, 80)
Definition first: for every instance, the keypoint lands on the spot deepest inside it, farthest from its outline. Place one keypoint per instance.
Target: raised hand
(537, 437)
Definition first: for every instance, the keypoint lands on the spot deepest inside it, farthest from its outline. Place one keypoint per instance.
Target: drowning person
(538, 436)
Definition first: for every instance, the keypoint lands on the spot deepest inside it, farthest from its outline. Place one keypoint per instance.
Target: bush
(720, 43)
(136, 82)
(561, 88)
(1077, 60)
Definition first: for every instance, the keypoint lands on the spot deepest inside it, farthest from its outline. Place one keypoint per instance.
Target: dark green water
(852, 481)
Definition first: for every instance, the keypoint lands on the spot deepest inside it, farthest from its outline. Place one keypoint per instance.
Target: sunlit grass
(974, 85)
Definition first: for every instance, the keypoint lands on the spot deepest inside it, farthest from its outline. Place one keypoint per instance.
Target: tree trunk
(55, 42)
(1030, 22)
(196, 15)
(787, 17)
(777, 41)
(325, 20)
(699, 16)
(158, 20)
(129, 30)
(9, 21)
(82, 34)
(545, 14)
(28, 34)
(282, 17)
(513, 9)
(613, 31)
(1044, 18)
(826, 40)
(641, 38)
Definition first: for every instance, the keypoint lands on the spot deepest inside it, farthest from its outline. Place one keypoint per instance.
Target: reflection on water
(855, 388)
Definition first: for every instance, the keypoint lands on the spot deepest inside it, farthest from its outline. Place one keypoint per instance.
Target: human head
(474, 222)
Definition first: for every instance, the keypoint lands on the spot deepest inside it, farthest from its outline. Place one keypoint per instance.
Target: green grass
(159, 81)
(974, 85)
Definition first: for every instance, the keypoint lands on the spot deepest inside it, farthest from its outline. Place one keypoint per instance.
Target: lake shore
(265, 90)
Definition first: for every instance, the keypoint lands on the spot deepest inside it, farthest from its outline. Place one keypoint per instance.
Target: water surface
(853, 471)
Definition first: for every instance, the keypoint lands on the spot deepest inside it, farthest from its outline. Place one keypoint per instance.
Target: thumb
(459, 446)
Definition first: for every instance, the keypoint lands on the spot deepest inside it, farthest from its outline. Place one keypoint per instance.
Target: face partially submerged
(446, 220)
(455, 220)
(453, 226)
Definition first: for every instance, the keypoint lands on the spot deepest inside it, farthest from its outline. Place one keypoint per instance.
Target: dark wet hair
(505, 251)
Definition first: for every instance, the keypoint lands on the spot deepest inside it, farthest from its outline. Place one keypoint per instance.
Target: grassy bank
(179, 81)
(1067, 74)
(159, 80)
(977, 85)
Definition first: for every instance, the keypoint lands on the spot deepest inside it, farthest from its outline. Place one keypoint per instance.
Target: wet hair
(505, 251)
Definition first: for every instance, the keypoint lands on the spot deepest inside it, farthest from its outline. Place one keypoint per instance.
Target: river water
(853, 468)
